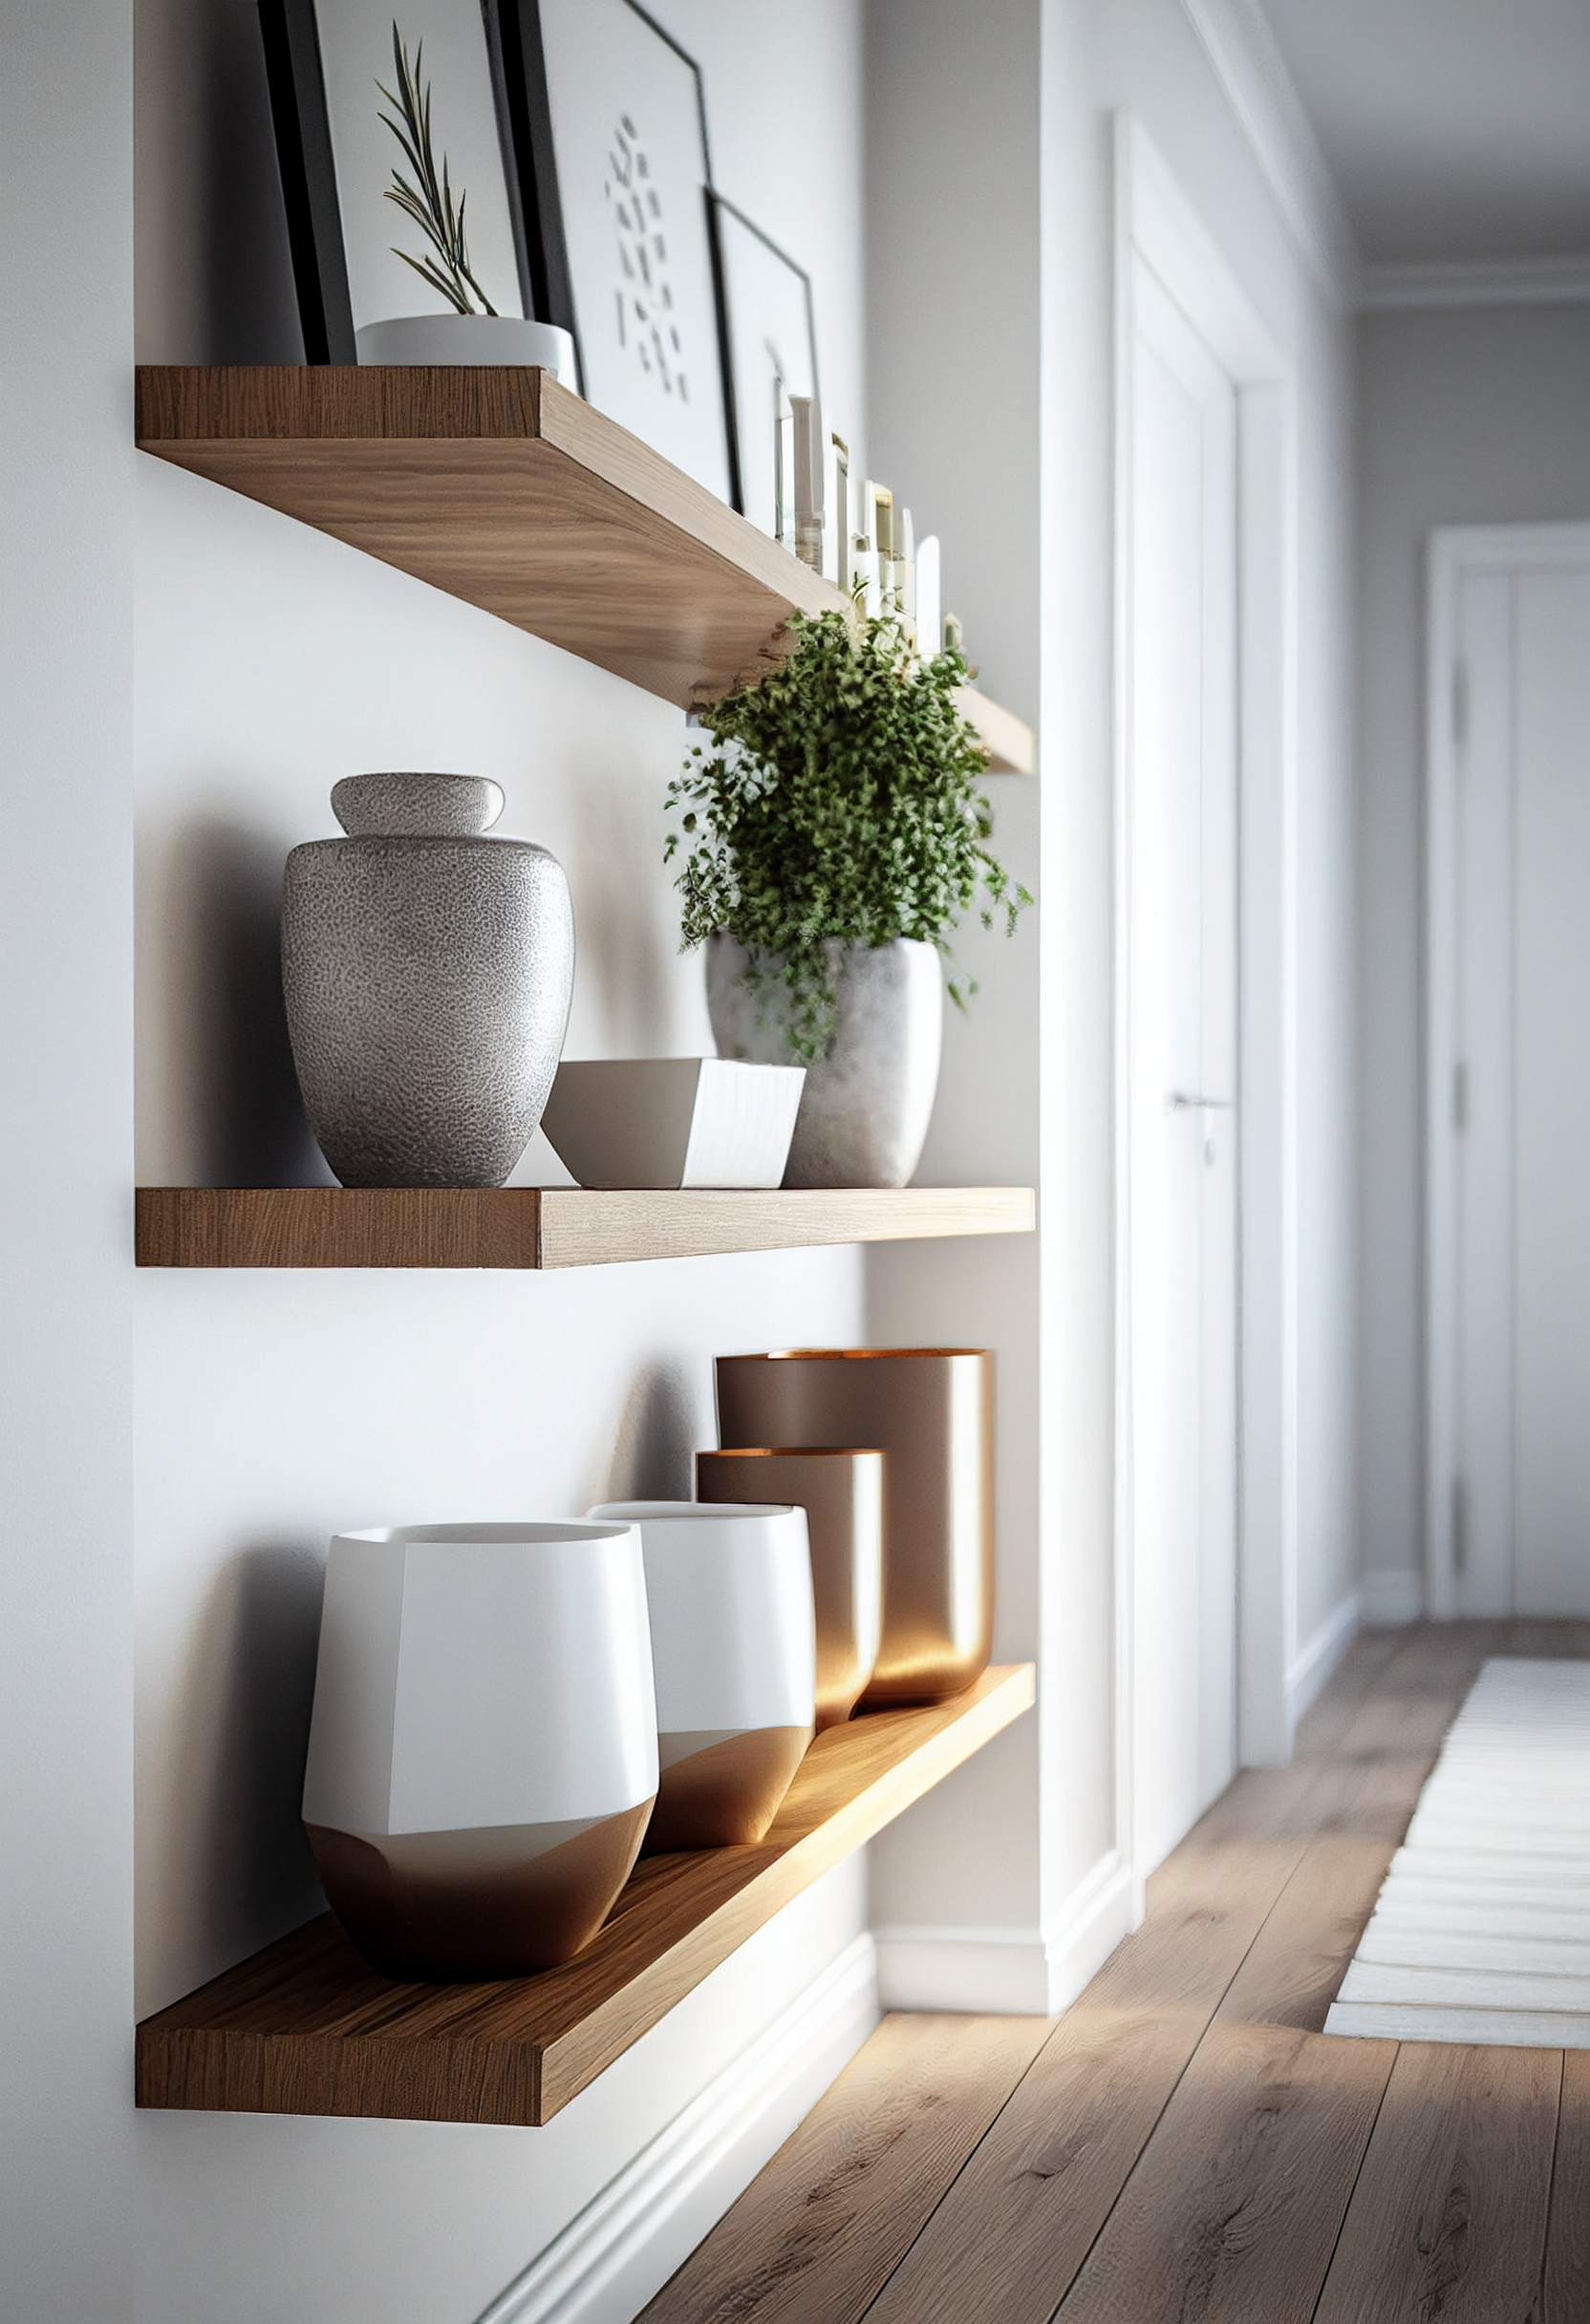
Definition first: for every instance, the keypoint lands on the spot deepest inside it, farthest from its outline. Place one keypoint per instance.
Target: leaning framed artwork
(371, 96)
(770, 343)
(608, 123)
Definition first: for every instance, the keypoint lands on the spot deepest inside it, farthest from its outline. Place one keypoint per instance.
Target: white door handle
(1184, 1099)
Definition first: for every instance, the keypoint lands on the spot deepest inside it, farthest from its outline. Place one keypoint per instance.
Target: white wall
(1466, 418)
(273, 1409)
(66, 619)
(991, 403)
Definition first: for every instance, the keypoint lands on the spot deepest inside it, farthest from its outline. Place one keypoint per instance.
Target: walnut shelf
(304, 2026)
(503, 488)
(528, 1226)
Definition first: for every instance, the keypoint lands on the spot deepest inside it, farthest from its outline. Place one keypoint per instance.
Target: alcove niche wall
(273, 1407)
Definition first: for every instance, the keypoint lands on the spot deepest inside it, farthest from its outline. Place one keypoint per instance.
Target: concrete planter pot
(866, 1105)
(428, 972)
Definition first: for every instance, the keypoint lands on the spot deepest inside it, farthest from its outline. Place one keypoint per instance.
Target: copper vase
(841, 1491)
(930, 1410)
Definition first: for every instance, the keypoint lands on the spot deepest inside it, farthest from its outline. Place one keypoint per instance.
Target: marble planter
(841, 1493)
(482, 1750)
(734, 1655)
(867, 1103)
(427, 972)
(930, 1410)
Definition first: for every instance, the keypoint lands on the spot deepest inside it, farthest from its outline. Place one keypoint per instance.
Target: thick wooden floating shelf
(306, 2027)
(502, 487)
(528, 1226)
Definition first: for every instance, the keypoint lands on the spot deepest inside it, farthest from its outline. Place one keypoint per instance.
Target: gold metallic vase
(930, 1410)
(841, 1489)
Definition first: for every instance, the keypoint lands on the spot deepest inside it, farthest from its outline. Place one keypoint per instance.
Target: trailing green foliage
(839, 803)
(429, 203)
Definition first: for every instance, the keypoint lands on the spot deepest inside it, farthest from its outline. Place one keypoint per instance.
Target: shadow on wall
(625, 947)
(250, 1117)
(653, 1453)
(258, 1646)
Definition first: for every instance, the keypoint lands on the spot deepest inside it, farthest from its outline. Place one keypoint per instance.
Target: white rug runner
(1482, 1929)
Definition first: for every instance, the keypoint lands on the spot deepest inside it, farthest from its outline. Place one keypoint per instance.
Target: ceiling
(1455, 129)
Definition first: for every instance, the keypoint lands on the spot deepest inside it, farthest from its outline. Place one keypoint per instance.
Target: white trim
(607, 2263)
(1391, 1599)
(1250, 68)
(1454, 550)
(1011, 1973)
(1157, 226)
(1310, 1669)
(1463, 282)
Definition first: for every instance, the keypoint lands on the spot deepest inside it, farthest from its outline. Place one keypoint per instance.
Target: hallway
(1184, 2144)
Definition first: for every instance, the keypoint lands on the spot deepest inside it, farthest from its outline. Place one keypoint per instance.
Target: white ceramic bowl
(483, 1751)
(469, 338)
(673, 1121)
(735, 1659)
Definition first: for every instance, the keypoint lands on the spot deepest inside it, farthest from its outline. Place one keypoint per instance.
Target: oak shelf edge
(527, 1227)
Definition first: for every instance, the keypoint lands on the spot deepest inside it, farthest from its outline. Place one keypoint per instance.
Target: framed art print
(771, 345)
(609, 125)
(333, 74)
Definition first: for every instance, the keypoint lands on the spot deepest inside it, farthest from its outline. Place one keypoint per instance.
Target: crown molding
(1518, 282)
(1248, 63)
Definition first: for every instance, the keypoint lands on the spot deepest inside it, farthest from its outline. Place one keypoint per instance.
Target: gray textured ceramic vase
(866, 1106)
(428, 972)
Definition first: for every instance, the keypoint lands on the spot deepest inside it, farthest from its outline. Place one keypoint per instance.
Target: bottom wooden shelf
(304, 2026)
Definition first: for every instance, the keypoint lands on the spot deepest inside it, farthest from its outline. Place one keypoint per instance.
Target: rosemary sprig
(429, 203)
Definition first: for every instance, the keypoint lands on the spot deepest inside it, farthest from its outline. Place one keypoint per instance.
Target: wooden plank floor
(1185, 2145)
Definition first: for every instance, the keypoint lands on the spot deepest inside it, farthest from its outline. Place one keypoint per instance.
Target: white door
(1516, 999)
(1182, 1050)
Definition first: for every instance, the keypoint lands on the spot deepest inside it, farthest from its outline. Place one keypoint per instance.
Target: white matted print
(629, 141)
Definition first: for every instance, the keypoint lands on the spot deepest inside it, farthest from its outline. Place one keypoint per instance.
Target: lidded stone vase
(428, 971)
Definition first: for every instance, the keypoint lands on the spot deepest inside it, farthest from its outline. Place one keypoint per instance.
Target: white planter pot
(866, 1106)
(469, 338)
(483, 1751)
(735, 1657)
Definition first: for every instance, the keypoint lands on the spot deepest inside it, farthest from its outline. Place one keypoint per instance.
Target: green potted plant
(834, 834)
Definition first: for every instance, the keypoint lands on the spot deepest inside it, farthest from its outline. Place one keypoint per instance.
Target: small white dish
(674, 1121)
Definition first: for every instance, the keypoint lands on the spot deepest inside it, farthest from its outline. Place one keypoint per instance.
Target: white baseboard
(1310, 1669)
(1391, 1598)
(607, 2264)
(1008, 1972)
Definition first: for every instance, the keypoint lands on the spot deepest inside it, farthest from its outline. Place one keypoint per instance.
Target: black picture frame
(747, 295)
(301, 115)
(558, 189)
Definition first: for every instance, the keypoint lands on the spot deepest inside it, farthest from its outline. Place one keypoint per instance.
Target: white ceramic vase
(734, 1654)
(866, 1106)
(482, 1751)
(468, 338)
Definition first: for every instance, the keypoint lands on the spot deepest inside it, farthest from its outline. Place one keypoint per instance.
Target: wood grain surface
(1186, 2145)
(1449, 2215)
(1567, 2272)
(527, 1226)
(916, 2102)
(306, 2027)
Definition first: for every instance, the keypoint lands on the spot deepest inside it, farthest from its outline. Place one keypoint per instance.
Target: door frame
(1158, 227)
(1453, 552)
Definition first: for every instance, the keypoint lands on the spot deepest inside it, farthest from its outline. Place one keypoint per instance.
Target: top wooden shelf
(507, 490)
